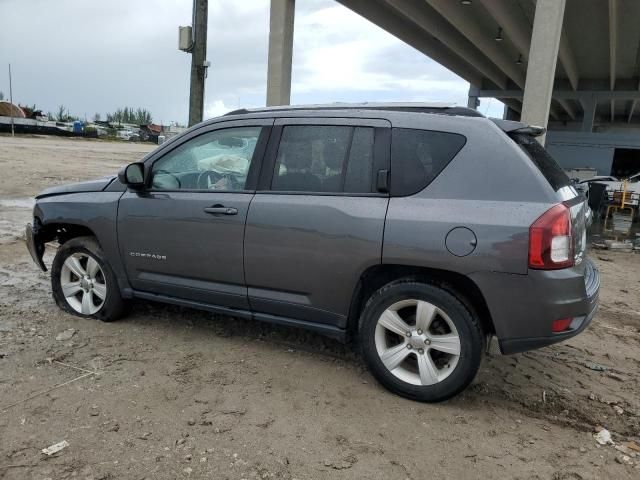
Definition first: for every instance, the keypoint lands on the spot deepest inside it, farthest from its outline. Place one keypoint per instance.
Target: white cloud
(217, 108)
(335, 50)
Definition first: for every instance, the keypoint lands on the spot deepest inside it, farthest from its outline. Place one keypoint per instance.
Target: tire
(427, 368)
(83, 298)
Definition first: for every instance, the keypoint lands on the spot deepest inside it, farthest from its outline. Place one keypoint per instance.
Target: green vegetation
(139, 116)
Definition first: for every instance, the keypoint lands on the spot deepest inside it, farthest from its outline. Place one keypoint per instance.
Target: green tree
(1, 96)
(137, 116)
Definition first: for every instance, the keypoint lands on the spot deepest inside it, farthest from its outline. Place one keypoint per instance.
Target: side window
(332, 159)
(216, 160)
(418, 156)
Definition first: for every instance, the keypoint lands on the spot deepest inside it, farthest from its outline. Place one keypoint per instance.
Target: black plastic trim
(192, 304)
(326, 330)
(269, 159)
(36, 248)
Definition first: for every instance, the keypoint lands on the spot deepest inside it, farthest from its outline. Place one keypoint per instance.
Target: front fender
(93, 213)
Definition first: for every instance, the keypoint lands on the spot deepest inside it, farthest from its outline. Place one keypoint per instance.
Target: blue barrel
(77, 126)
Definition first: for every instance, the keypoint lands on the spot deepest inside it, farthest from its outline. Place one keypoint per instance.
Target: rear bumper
(35, 247)
(524, 307)
(517, 345)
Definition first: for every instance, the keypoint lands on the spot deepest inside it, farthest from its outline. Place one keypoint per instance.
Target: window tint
(418, 156)
(334, 159)
(556, 177)
(217, 160)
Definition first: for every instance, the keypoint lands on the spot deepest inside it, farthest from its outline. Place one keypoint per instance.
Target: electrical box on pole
(185, 38)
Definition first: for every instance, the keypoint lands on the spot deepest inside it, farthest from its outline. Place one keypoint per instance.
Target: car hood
(96, 185)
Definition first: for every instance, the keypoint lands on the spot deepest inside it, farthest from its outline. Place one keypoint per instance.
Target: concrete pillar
(543, 55)
(474, 100)
(280, 52)
(589, 107)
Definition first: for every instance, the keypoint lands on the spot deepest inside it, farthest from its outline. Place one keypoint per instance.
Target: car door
(183, 235)
(317, 220)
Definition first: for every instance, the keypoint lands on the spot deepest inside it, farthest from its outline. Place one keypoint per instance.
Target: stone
(66, 335)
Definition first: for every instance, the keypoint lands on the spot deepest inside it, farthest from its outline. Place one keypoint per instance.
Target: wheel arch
(375, 277)
(61, 231)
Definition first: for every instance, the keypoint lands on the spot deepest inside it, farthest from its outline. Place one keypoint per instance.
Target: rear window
(325, 158)
(418, 156)
(556, 177)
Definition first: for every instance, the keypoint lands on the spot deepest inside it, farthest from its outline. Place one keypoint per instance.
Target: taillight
(550, 243)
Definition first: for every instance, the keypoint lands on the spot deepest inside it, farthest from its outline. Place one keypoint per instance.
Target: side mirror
(132, 176)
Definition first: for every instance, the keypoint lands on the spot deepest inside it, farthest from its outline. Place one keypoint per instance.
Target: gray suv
(423, 231)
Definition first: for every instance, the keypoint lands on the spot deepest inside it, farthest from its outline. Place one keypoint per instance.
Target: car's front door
(183, 235)
(317, 220)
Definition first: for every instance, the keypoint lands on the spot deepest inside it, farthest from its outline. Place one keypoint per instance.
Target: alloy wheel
(83, 283)
(417, 342)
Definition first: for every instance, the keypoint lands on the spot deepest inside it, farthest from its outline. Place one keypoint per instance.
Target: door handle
(221, 210)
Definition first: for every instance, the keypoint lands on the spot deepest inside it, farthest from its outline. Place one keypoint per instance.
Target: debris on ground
(595, 366)
(624, 459)
(626, 450)
(603, 437)
(632, 446)
(66, 335)
(625, 246)
(55, 448)
(614, 245)
(344, 464)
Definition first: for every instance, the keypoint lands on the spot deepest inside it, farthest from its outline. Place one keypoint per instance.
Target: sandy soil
(177, 393)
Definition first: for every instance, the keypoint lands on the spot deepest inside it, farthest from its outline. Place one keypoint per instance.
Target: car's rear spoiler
(511, 127)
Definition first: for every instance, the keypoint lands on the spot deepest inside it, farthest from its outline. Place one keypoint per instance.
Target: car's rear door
(182, 236)
(316, 222)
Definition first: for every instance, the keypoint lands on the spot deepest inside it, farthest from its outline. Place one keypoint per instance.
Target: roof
(415, 107)
(153, 128)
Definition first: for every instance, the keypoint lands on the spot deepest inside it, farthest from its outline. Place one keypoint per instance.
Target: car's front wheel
(83, 283)
(420, 341)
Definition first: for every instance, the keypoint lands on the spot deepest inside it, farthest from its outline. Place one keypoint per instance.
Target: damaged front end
(35, 243)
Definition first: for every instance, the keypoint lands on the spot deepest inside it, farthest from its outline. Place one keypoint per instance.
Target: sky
(97, 56)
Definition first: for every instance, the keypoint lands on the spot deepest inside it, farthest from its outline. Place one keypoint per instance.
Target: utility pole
(199, 62)
(11, 101)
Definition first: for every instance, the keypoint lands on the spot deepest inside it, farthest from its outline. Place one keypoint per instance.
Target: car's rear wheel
(83, 283)
(420, 341)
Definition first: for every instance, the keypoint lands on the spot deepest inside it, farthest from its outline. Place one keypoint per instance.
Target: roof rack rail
(434, 108)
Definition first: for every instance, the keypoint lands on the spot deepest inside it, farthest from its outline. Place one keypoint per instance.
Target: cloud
(217, 108)
(337, 52)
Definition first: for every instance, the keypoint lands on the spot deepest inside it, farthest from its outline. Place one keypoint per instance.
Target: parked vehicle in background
(632, 183)
(581, 174)
(355, 221)
(599, 179)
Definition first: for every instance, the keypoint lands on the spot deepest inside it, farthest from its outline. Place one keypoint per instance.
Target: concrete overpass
(571, 65)
(507, 49)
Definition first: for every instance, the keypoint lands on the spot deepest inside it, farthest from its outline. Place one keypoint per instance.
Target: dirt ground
(176, 393)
